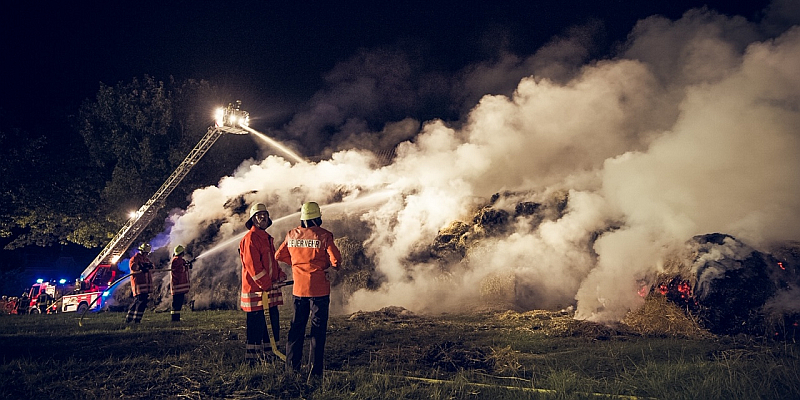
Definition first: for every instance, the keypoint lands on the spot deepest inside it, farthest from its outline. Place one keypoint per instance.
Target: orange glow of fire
(780, 264)
(685, 290)
(663, 289)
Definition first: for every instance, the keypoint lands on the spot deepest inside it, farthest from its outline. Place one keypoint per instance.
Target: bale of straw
(659, 317)
(499, 288)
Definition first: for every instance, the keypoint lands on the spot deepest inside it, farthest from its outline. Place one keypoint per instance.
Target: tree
(57, 188)
(138, 133)
(45, 189)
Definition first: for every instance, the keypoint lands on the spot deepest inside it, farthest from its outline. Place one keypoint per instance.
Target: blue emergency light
(62, 281)
(40, 280)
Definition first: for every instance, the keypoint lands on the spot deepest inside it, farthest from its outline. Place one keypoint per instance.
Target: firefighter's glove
(331, 273)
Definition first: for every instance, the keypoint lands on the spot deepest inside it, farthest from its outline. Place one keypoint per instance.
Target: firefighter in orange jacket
(260, 272)
(141, 283)
(310, 250)
(179, 281)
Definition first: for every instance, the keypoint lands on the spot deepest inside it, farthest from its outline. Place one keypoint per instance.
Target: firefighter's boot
(176, 316)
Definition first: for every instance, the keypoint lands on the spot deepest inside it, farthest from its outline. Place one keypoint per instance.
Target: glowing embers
(678, 291)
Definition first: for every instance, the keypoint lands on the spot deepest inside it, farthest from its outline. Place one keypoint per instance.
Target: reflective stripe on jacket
(141, 281)
(259, 268)
(179, 275)
(310, 251)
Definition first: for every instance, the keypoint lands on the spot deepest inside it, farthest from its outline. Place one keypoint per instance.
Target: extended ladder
(133, 227)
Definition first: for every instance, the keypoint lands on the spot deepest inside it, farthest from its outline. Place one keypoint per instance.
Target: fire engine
(51, 289)
(103, 270)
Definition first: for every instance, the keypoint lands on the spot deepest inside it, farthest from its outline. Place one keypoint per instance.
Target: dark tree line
(79, 184)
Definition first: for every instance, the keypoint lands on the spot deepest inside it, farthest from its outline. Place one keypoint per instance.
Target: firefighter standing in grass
(179, 281)
(310, 250)
(141, 283)
(260, 272)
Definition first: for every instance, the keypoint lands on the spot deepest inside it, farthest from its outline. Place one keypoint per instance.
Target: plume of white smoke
(727, 165)
(691, 130)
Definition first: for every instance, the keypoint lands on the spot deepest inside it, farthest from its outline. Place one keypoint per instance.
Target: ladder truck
(101, 272)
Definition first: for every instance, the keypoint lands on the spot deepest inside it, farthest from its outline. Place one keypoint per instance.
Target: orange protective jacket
(141, 281)
(259, 268)
(310, 251)
(179, 275)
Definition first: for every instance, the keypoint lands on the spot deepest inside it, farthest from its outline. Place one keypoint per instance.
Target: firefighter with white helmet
(260, 274)
(310, 250)
(141, 283)
(179, 281)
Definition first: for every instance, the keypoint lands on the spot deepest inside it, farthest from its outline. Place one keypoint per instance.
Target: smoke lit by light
(690, 129)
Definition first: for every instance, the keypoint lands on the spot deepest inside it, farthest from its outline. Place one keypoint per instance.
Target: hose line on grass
(488, 385)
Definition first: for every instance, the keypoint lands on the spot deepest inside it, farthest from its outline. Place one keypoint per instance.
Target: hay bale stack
(499, 290)
(355, 270)
(660, 317)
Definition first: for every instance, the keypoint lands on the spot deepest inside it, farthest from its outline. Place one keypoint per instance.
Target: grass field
(387, 355)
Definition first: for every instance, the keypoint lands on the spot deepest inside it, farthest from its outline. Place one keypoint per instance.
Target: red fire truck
(48, 292)
(92, 286)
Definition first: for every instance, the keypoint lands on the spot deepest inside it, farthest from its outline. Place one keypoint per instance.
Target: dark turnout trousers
(177, 304)
(136, 310)
(317, 308)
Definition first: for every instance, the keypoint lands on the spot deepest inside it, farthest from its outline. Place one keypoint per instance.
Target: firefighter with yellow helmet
(141, 283)
(260, 273)
(179, 281)
(310, 250)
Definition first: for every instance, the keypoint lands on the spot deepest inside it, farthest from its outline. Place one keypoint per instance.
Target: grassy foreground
(386, 355)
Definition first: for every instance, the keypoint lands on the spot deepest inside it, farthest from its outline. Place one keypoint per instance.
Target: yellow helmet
(144, 247)
(309, 211)
(179, 249)
(254, 209)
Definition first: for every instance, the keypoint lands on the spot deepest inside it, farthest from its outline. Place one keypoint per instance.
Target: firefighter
(141, 283)
(179, 281)
(12, 305)
(310, 250)
(260, 272)
(22, 303)
(43, 301)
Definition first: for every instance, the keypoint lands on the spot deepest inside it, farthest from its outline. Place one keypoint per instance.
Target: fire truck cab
(90, 291)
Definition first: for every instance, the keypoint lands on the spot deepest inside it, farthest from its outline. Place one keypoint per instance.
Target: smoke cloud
(692, 128)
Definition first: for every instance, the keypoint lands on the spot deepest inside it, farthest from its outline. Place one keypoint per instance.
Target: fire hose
(272, 343)
(115, 283)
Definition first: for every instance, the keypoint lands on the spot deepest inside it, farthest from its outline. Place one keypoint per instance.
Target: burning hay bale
(498, 290)
(355, 270)
(730, 288)
(490, 221)
(451, 244)
(661, 317)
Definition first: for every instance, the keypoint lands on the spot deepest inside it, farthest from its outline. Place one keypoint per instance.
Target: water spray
(340, 207)
(274, 143)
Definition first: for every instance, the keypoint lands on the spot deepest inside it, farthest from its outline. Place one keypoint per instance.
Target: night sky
(274, 54)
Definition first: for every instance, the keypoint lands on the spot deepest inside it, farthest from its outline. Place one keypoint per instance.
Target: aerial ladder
(96, 278)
